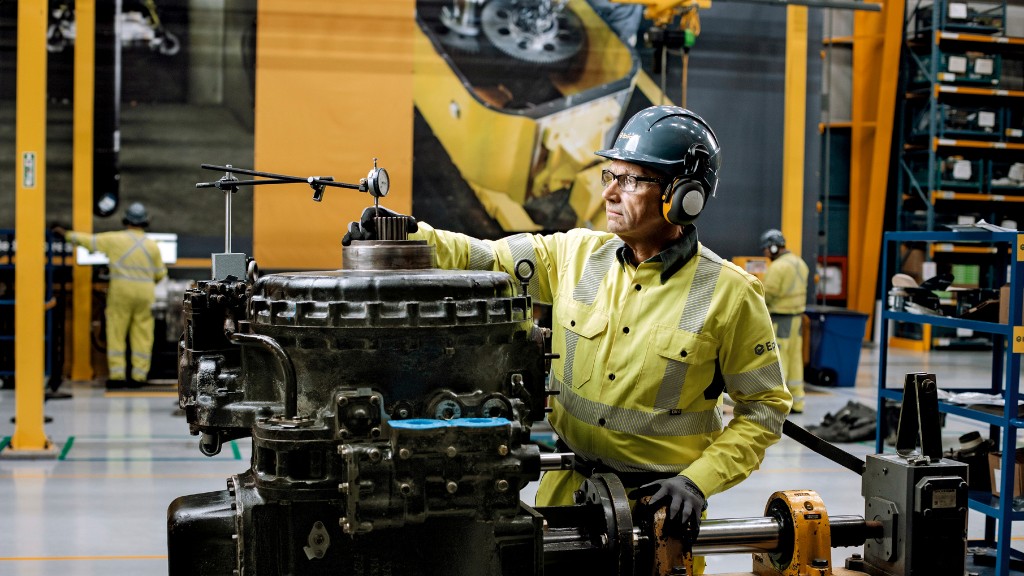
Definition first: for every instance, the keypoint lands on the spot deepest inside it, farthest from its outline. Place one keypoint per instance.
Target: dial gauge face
(378, 182)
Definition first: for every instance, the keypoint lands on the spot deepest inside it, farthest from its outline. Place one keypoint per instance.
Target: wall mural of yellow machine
(520, 93)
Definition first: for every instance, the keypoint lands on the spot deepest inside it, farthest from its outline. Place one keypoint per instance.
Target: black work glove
(682, 498)
(366, 228)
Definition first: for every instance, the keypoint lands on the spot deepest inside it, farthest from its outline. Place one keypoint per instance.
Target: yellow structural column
(878, 39)
(85, 81)
(795, 124)
(30, 233)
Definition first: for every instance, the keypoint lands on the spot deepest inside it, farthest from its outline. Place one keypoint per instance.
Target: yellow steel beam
(795, 123)
(85, 81)
(30, 217)
(863, 109)
(883, 31)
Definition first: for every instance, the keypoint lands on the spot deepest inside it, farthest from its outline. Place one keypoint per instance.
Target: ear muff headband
(774, 249)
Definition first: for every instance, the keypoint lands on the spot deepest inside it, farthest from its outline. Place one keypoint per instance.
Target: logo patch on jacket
(766, 347)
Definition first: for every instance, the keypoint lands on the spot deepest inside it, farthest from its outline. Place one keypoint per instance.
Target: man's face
(635, 214)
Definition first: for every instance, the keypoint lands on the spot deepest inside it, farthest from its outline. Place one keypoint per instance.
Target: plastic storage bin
(836, 336)
(972, 67)
(971, 122)
(953, 172)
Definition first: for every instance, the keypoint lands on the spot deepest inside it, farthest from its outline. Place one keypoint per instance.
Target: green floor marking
(67, 448)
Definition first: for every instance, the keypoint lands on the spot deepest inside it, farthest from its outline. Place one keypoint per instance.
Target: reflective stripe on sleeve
(764, 379)
(761, 414)
(594, 271)
(481, 257)
(522, 249)
(628, 421)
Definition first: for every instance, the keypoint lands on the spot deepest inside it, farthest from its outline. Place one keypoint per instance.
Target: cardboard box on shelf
(913, 263)
(994, 464)
(1004, 304)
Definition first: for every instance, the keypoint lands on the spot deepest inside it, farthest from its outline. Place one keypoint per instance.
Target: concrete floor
(100, 508)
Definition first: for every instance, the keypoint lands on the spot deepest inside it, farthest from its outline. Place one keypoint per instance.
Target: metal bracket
(919, 418)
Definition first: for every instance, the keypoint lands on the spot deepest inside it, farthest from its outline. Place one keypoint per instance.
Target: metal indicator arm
(376, 182)
(826, 449)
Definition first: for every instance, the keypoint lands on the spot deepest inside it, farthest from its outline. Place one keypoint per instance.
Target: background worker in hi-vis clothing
(135, 268)
(785, 293)
(650, 326)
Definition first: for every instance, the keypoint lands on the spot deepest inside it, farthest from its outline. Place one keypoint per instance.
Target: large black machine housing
(390, 406)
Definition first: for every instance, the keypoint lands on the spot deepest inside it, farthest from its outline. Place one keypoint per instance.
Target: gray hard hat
(673, 141)
(136, 215)
(772, 237)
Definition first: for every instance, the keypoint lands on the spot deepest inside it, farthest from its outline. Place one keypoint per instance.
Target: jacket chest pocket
(583, 332)
(683, 365)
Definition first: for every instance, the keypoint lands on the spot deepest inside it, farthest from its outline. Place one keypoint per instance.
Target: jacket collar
(673, 257)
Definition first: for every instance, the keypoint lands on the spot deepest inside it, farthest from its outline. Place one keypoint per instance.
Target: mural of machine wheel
(520, 93)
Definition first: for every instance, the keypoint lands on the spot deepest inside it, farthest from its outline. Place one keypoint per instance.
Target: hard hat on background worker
(136, 215)
(679, 144)
(772, 240)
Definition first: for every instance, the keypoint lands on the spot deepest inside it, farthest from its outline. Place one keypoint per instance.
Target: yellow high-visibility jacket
(785, 285)
(133, 257)
(645, 353)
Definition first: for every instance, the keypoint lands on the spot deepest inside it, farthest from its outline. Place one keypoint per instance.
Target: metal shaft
(737, 535)
(227, 216)
(556, 461)
(227, 221)
(724, 535)
(748, 535)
